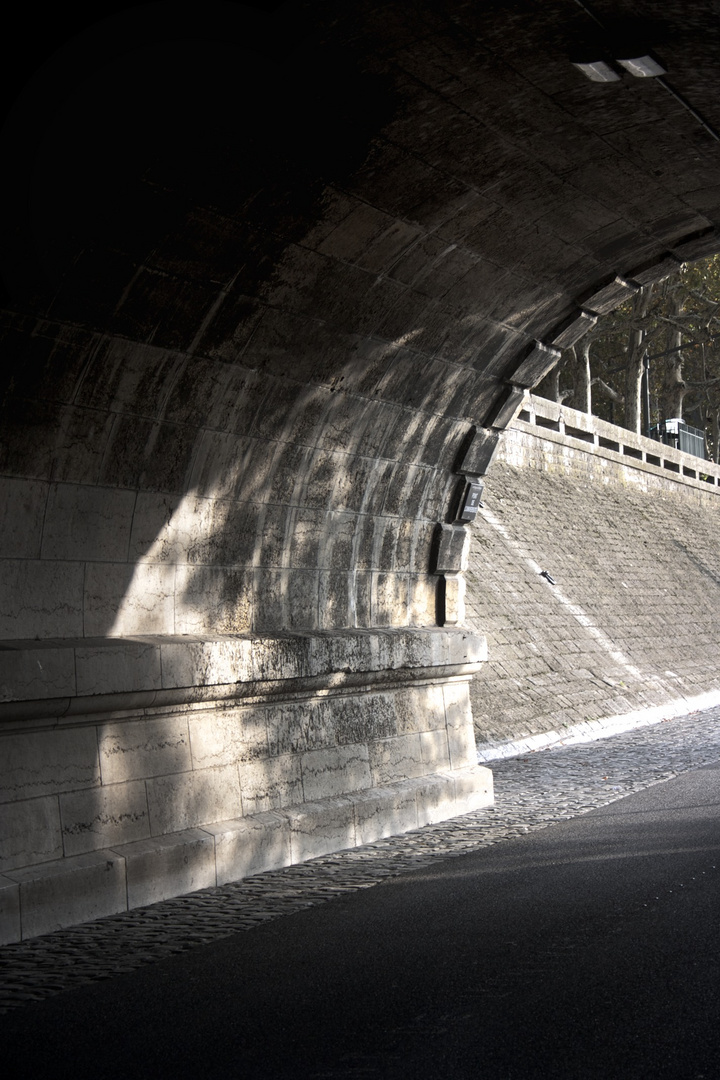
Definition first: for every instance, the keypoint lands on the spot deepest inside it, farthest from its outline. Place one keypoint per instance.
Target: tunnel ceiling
(267, 267)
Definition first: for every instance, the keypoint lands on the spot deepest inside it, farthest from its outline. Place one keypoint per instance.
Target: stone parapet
(131, 771)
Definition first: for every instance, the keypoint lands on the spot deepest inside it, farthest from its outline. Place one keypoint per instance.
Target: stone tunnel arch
(274, 281)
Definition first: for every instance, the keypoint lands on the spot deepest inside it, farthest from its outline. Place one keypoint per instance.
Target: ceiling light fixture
(598, 71)
(643, 67)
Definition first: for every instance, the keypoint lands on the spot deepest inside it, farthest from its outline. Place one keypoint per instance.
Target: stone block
(300, 726)
(9, 911)
(435, 753)
(698, 248)
(22, 508)
(384, 812)
(83, 522)
(70, 891)
(320, 828)
(250, 845)
(473, 789)
(336, 771)
(657, 272)
(123, 600)
(41, 596)
(435, 799)
(185, 800)
(30, 832)
(412, 712)
(466, 646)
(206, 663)
(114, 667)
(141, 748)
(360, 719)
(505, 407)
(541, 360)
(480, 453)
(611, 296)
(270, 784)
(213, 596)
(104, 817)
(453, 549)
(396, 759)
(48, 762)
(455, 592)
(28, 674)
(461, 744)
(422, 599)
(575, 329)
(228, 736)
(168, 866)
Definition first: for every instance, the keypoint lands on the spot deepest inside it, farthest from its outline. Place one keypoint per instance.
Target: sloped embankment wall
(634, 617)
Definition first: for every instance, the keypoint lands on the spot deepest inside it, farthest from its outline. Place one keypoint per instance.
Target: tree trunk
(634, 366)
(583, 379)
(674, 385)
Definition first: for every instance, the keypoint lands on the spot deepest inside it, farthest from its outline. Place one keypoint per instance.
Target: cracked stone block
(435, 799)
(104, 817)
(185, 800)
(36, 673)
(320, 828)
(48, 762)
(536, 365)
(335, 772)
(143, 748)
(228, 737)
(113, 667)
(384, 812)
(395, 759)
(270, 784)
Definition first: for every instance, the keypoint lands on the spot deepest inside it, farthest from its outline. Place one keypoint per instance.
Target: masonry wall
(634, 617)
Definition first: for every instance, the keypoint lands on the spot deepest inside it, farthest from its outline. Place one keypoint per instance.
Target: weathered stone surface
(36, 673)
(396, 759)
(30, 833)
(107, 668)
(131, 751)
(70, 891)
(317, 828)
(185, 800)
(168, 865)
(104, 817)
(335, 772)
(46, 763)
(250, 845)
(227, 737)
(9, 910)
(271, 783)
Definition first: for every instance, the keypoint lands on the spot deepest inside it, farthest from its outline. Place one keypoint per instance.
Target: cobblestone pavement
(532, 791)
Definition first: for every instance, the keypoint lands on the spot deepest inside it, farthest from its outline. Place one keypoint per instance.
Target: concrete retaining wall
(156, 767)
(633, 546)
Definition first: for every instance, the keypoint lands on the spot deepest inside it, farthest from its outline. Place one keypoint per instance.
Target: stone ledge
(73, 677)
(48, 896)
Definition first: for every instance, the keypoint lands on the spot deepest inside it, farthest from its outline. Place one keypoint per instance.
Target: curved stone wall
(268, 271)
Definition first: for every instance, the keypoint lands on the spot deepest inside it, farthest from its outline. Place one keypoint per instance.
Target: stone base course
(126, 795)
(84, 887)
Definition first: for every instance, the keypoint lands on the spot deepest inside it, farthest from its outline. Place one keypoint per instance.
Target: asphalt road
(590, 949)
